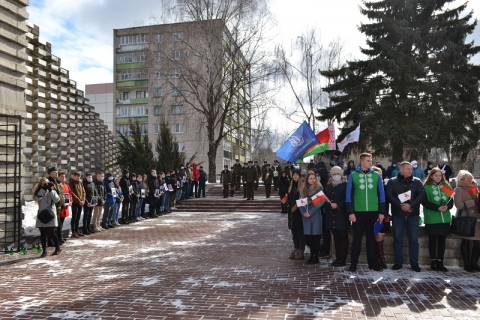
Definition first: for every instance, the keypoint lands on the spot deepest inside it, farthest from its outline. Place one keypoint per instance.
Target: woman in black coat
(284, 183)
(336, 215)
(295, 222)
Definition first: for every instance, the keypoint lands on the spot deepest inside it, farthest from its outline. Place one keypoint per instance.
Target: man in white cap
(417, 172)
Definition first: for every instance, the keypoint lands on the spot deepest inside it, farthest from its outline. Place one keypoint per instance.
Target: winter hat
(414, 162)
(304, 172)
(126, 171)
(394, 161)
(108, 175)
(133, 174)
(336, 170)
(297, 171)
(50, 170)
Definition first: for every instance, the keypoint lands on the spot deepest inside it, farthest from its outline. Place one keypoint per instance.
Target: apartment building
(102, 97)
(151, 67)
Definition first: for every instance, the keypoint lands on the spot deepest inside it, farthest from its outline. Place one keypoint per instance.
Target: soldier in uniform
(264, 165)
(259, 173)
(311, 166)
(250, 176)
(242, 173)
(267, 178)
(277, 170)
(289, 169)
(237, 167)
(225, 180)
(233, 180)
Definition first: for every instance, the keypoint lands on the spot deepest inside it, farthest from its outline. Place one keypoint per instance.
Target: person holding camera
(46, 197)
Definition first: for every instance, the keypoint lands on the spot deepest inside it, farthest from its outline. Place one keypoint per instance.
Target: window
(176, 109)
(176, 73)
(144, 127)
(125, 75)
(177, 54)
(141, 94)
(156, 128)
(177, 36)
(142, 38)
(176, 91)
(159, 56)
(158, 92)
(126, 95)
(159, 74)
(132, 111)
(158, 110)
(159, 38)
(177, 128)
(124, 40)
(140, 74)
(123, 129)
(181, 146)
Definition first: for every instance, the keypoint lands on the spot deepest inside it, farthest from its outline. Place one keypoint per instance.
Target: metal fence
(10, 181)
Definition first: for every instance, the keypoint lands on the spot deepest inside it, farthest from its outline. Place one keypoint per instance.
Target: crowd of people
(374, 201)
(101, 197)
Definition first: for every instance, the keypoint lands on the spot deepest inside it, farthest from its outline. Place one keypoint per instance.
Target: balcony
(134, 101)
(132, 83)
(131, 65)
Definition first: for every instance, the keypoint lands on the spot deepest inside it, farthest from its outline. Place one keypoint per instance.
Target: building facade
(155, 69)
(101, 96)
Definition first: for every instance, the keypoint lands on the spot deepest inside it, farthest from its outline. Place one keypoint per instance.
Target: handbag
(46, 215)
(463, 226)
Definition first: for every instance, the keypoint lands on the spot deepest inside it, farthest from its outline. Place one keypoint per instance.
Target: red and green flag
(326, 141)
(473, 192)
(447, 191)
(319, 199)
(284, 199)
(294, 207)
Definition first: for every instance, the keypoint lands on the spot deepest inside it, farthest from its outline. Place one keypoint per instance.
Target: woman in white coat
(46, 197)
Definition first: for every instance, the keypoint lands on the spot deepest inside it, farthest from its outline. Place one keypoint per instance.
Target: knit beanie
(335, 170)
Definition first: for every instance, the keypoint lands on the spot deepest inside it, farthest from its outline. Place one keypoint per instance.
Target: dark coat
(321, 169)
(398, 185)
(336, 218)
(153, 184)
(267, 176)
(225, 177)
(250, 174)
(90, 191)
(203, 177)
(100, 191)
(293, 196)
(125, 185)
(283, 186)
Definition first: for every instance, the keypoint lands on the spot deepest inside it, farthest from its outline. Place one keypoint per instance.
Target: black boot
(433, 265)
(474, 260)
(85, 230)
(313, 259)
(464, 249)
(440, 266)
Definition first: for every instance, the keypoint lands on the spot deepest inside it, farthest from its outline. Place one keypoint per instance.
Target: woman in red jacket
(65, 210)
(195, 178)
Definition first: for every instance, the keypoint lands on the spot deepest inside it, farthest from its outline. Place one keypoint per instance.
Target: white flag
(353, 136)
(302, 202)
(404, 197)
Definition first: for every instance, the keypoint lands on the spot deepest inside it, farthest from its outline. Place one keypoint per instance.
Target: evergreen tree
(169, 157)
(417, 89)
(135, 150)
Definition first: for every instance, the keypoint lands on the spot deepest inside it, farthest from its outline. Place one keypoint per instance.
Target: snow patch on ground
(140, 228)
(149, 282)
(93, 242)
(74, 315)
(247, 304)
(52, 263)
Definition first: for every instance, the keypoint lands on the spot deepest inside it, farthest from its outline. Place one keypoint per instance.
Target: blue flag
(299, 142)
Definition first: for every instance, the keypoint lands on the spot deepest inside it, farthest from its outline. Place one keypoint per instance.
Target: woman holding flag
(466, 199)
(436, 211)
(311, 200)
(295, 223)
(283, 190)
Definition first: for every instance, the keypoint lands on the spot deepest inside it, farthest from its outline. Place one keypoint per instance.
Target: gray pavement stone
(218, 266)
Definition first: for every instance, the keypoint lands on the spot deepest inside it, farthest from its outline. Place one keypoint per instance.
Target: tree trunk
(397, 150)
(212, 166)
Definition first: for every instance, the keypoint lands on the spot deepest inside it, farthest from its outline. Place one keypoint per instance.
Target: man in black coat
(405, 193)
(125, 186)
(153, 192)
(202, 182)
(446, 169)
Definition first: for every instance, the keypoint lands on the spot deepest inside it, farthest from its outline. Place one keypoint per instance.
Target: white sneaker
(137, 219)
(117, 224)
(101, 229)
(173, 208)
(97, 229)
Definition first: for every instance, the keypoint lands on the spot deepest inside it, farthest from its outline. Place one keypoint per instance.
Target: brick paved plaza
(217, 266)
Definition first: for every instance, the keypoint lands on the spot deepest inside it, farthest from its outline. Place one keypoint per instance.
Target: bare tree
(222, 68)
(300, 69)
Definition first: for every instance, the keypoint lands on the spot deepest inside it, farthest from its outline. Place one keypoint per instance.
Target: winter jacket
(313, 224)
(293, 196)
(195, 172)
(153, 184)
(58, 187)
(283, 186)
(323, 173)
(418, 173)
(446, 170)
(399, 185)
(348, 171)
(90, 191)
(78, 191)
(336, 218)
(100, 191)
(267, 176)
(46, 199)
(109, 185)
(365, 192)
(465, 202)
(250, 175)
(435, 198)
(225, 177)
(203, 177)
(65, 209)
(391, 168)
(125, 185)
(233, 177)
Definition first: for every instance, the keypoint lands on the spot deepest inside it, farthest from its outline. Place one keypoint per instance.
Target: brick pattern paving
(217, 266)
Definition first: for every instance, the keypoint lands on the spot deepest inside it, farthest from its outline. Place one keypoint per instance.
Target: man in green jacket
(250, 176)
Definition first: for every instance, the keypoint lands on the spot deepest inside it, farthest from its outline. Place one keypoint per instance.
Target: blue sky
(81, 31)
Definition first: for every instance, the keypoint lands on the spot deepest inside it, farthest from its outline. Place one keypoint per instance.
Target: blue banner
(298, 143)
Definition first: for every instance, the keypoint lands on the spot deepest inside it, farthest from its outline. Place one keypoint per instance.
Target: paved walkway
(217, 266)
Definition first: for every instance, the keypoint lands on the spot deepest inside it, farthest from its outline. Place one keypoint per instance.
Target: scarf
(470, 188)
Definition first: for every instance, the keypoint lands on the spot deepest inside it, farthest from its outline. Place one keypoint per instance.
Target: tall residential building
(154, 68)
(101, 96)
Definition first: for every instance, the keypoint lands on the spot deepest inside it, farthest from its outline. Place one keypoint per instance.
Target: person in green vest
(436, 211)
(365, 202)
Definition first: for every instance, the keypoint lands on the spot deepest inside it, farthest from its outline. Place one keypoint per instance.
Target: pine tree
(135, 150)
(417, 89)
(169, 157)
